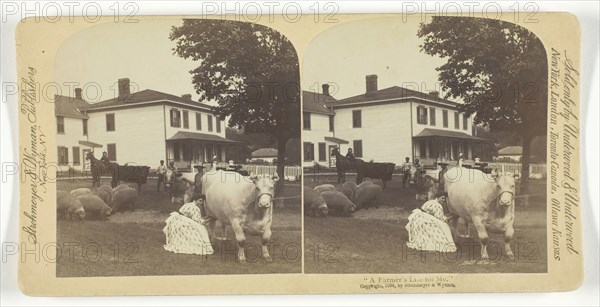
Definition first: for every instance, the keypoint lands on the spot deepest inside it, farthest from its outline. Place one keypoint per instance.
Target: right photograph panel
(424, 147)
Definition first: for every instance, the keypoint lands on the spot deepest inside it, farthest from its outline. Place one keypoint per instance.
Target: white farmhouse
(318, 135)
(145, 127)
(72, 133)
(391, 124)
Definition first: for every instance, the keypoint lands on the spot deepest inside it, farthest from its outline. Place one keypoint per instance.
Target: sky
(387, 47)
(344, 54)
(142, 52)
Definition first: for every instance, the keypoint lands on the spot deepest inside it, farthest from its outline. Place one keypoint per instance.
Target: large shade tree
(251, 71)
(499, 70)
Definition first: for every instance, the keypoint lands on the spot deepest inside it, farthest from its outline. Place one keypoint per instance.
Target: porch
(435, 145)
(188, 149)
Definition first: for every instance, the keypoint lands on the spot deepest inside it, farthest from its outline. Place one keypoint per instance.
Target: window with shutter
(356, 119)
(358, 149)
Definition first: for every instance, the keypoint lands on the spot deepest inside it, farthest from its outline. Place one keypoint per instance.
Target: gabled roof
(264, 153)
(394, 92)
(511, 150)
(144, 96)
(428, 132)
(69, 106)
(315, 103)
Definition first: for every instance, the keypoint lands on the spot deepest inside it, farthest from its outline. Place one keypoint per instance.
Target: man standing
(406, 171)
(161, 171)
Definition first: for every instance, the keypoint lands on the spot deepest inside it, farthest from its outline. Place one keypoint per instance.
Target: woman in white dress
(427, 227)
(185, 233)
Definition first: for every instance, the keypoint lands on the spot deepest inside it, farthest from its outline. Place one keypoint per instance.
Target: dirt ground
(131, 243)
(374, 240)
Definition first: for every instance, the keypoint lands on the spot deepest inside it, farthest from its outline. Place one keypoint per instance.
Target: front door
(331, 158)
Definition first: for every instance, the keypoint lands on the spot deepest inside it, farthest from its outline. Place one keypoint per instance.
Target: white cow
(485, 200)
(244, 202)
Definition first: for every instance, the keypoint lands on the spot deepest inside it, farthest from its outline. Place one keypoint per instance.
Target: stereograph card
(372, 153)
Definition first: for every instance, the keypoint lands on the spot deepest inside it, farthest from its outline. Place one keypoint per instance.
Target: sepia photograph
(253, 154)
(176, 155)
(424, 147)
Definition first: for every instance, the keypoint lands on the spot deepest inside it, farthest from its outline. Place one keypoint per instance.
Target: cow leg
(483, 237)
(236, 224)
(266, 238)
(507, 237)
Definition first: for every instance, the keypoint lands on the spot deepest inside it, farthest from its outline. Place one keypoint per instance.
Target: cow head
(389, 171)
(506, 187)
(265, 186)
(168, 177)
(427, 188)
(413, 175)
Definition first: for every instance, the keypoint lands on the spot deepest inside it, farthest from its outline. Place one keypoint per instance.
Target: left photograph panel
(178, 150)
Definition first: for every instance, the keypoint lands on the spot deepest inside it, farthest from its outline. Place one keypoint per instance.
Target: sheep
(347, 191)
(68, 206)
(124, 198)
(364, 183)
(368, 196)
(104, 195)
(108, 189)
(119, 187)
(80, 191)
(324, 187)
(351, 185)
(314, 204)
(95, 207)
(338, 202)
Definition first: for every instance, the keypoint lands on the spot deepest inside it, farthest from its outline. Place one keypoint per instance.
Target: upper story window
(60, 124)
(306, 120)
(110, 122)
(198, 121)
(175, 118)
(85, 126)
(210, 122)
(356, 119)
(465, 122)
(218, 125)
(445, 118)
(421, 115)
(331, 125)
(186, 120)
(432, 116)
(456, 121)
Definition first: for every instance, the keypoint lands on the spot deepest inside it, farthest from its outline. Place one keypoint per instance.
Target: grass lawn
(131, 243)
(373, 240)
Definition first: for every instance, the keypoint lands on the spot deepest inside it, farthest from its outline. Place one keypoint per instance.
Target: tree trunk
(524, 186)
(280, 185)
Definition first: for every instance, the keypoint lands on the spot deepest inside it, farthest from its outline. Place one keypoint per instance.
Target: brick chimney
(371, 84)
(78, 93)
(124, 87)
(325, 89)
(435, 94)
(186, 96)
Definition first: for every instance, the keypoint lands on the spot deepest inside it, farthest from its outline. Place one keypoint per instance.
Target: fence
(535, 170)
(289, 171)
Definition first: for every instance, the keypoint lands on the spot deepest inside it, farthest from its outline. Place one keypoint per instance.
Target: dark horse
(98, 168)
(342, 164)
